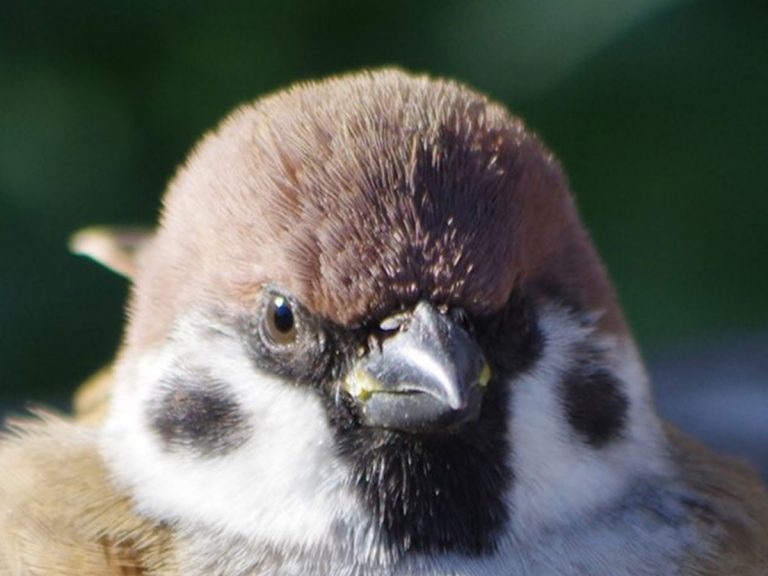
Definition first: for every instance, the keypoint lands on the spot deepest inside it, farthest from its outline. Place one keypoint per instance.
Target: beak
(428, 377)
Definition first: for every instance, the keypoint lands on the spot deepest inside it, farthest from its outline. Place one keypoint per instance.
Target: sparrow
(371, 336)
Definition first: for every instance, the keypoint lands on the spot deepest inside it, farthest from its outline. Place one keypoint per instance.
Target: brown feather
(61, 516)
(363, 194)
(115, 248)
(731, 509)
(91, 400)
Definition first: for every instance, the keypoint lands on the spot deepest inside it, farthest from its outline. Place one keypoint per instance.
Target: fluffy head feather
(362, 194)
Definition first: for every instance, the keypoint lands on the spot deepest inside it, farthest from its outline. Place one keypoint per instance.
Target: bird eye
(280, 324)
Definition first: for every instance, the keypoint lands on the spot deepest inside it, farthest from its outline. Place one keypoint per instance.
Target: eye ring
(280, 321)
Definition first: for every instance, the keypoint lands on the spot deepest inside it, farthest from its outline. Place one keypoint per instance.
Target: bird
(370, 336)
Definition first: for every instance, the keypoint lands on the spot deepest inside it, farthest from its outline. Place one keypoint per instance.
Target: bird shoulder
(60, 514)
(730, 505)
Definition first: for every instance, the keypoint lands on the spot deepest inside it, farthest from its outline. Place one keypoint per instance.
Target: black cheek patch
(595, 404)
(200, 414)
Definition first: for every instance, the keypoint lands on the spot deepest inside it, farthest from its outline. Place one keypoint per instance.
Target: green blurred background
(658, 110)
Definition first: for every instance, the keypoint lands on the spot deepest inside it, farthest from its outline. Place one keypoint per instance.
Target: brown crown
(362, 194)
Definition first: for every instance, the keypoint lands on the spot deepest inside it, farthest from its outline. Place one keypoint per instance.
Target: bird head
(371, 324)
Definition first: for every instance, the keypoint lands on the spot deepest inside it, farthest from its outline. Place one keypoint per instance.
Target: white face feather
(558, 477)
(285, 486)
(283, 482)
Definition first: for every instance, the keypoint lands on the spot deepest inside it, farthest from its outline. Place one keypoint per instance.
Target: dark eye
(279, 323)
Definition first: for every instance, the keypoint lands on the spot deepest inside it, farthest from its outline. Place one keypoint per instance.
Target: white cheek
(286, 485)
(558, 477)
(283, 483)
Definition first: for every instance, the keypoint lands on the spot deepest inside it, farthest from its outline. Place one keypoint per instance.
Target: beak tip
(427, 378)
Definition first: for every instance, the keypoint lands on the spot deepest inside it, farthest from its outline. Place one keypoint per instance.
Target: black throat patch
(445, 492)
(434, 493)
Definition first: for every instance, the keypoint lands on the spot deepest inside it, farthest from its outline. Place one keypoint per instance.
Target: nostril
(461, 318)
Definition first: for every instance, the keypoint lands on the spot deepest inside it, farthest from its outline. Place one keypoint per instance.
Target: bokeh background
(658, 110)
